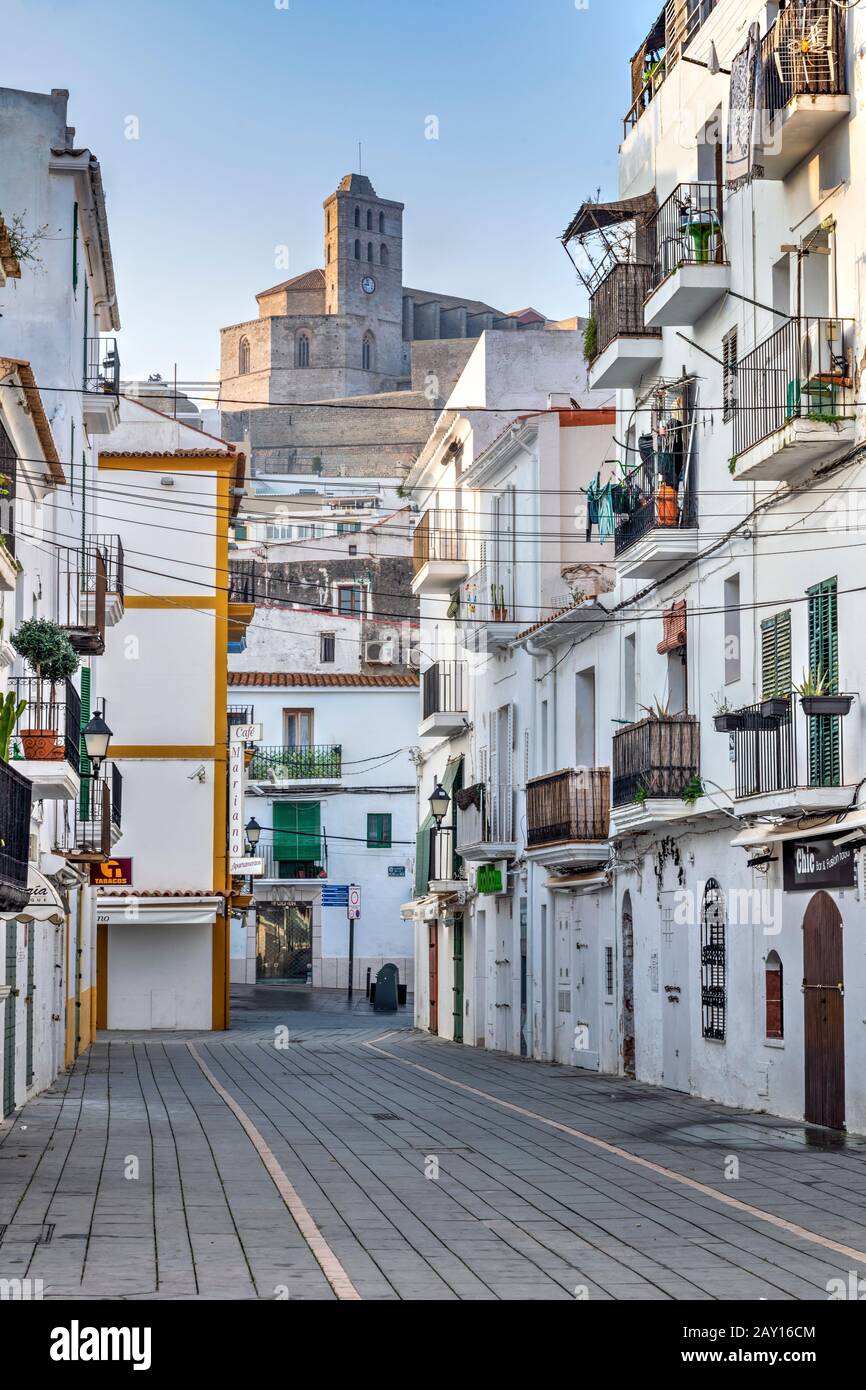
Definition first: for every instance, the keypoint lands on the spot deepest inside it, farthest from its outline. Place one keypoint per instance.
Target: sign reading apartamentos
(812, 864)
(111, 873)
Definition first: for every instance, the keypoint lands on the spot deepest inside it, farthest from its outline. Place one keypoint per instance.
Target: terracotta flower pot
(41, 745)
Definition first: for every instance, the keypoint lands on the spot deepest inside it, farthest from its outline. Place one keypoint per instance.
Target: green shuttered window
(379, 830)
(776, 655)
(825, 743)
(297, 831)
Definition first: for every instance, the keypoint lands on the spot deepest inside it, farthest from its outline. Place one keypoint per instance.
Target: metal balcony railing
(312, 762)
(568, 807)
(445, 688)
(110, 547)
(803, 53)
(445, 863)
(485, 814)
(805, 370)
(49, 728)
(645, 502)
(16, 792)
(655, 758)
(98, 808)
(773, 739)
(101, 366)
(241, 714)
(687, 230)
(8, 472)
(438, 536)
(289, 869)
(617, 305)
(81, 585)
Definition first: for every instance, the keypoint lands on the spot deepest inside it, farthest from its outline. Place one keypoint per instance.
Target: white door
(674, 985)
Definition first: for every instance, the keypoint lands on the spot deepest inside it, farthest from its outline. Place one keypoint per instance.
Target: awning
(44, 904)
(593, 217)
(827, 827)
(157, 912)
(578, 883)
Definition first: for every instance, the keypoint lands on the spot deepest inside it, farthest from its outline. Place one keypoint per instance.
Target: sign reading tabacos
(111, 873)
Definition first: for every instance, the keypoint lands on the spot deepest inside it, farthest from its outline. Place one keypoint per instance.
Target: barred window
(714, 998)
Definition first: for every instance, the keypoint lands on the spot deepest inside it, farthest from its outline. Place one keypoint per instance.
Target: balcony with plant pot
(568, 817)
(788, 752)
(690, 268)
(101, 398)
(439, 563)
(485, 823)
(656, 773)
(444, 699)
(795, 400)
(805, 91)
(45, 712)
(487, 610)
(295, 767)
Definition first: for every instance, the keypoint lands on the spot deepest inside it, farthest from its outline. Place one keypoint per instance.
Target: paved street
(245, 1166)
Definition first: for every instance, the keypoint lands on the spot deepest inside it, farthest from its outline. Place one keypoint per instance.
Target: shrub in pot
(50, 655)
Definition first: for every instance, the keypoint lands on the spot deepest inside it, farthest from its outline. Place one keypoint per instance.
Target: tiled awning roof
(320, 678)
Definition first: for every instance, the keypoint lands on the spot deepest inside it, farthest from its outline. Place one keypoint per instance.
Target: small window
(327, 646)
(357, 217)
(350, 600)
(381, 223)
(379, 831)
(714, 991)
(608, 971)
(369, 250)
(297, 728)
(347, 528)
(369, 219)
(243, 356)
(302, 353)
(729, 374)
(353, 550)
(383, 254)
(357, 249)
(775, 1025)
(367, 352)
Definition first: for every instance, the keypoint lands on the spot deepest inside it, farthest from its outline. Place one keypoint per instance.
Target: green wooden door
(824, 733)
(297, 837)
(457, 960)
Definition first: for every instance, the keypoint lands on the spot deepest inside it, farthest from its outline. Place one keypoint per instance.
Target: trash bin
(387, 989)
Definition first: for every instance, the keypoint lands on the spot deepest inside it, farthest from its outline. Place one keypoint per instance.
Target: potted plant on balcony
(590, 340)
(50, 655)
(815, 698)
(776, 707)
(727, 720)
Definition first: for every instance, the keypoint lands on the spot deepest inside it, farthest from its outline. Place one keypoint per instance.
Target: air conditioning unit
(379, 653)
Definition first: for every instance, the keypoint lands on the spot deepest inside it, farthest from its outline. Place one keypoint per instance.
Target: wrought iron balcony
(444, 697)
(276, 869)
(655, 516)
(655, 759)
(98, 813)
(318, 762)
(485, 821)
(438, 552)
(101, 366)
(788, 757)
(243, 576)
(81, 590)
(617, 305)
(16, 793)
(568, 807)
(446, 865)
(805, 82)
(241, 714)
(794, 399)
(690, 270)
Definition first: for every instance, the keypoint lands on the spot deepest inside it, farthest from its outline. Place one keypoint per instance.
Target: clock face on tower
(368, 284)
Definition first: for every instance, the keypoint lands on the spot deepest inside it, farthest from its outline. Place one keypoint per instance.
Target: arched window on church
(357, 249)
(381, 223)
(357, 217)
(243, 356)
(369, 250)
(328, 221)
(383, 254)
(302, 350)
(369, 219)
(329, 255)
(368, 352)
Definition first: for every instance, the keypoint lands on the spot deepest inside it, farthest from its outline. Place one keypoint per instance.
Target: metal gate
(824, 1013)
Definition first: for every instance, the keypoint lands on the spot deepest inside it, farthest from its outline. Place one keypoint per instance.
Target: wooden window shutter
(422, 857)
(825, 743)
(297, 831)
(84, 794)
(776, 678)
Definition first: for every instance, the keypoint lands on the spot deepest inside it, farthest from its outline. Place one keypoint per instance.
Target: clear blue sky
(249, 115)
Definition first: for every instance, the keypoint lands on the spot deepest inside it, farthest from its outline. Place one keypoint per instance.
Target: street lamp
(439, 803)
(97, 737)
(253, 832)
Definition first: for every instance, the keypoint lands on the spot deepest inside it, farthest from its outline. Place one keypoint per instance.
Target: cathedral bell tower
(363, 253)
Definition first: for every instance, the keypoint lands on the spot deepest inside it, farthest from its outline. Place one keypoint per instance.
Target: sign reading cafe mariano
(810, 864)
